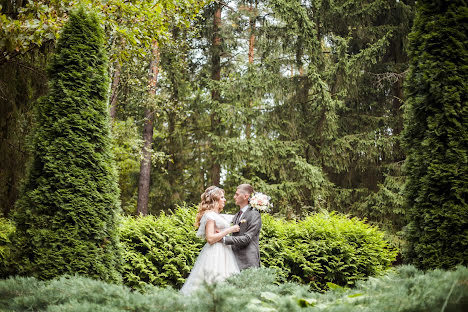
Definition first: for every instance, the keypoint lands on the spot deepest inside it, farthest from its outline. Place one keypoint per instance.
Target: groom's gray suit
(245, 242)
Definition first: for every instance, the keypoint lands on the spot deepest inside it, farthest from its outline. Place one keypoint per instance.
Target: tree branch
(5, 58)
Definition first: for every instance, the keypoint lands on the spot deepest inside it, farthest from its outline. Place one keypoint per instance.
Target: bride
(216, 261)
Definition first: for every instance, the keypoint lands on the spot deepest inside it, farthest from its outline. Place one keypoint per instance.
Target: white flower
(261, 202)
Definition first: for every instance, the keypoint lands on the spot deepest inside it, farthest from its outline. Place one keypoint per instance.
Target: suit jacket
(245, 242)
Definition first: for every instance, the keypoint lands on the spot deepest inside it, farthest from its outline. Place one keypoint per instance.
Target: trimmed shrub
(405, 289)
(159, 250)
(322, 248)
(66, 217)
(436, 136)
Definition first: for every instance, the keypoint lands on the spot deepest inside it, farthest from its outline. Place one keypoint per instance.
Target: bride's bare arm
(213, 237)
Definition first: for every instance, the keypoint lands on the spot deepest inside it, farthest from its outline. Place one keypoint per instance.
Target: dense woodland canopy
(302, 99)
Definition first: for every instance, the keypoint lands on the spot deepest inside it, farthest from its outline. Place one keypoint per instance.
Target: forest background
(302, 99)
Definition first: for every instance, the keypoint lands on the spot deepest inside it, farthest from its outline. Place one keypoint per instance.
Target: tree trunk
(174, 167)
(145, 166)
(252, 21)
(114, 90)
(215, 95)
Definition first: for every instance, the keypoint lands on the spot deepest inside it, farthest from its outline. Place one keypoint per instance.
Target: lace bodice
(220, 222)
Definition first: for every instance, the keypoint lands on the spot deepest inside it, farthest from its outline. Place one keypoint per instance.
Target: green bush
(405, 289)
(159, 250)
(322, 248)
(6, 231)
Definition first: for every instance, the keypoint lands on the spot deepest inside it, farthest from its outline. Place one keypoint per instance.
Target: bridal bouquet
(261, 202)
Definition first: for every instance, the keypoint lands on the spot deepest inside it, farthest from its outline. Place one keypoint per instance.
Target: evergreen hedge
(66, 217)
(436, 136)
(159, 250)
(319, 249)
(324, 248)
(405, 289)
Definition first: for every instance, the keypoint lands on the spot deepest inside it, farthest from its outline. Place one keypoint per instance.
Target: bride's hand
(235, 228)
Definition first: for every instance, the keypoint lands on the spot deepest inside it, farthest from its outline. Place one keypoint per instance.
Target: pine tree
(67, 214)
(436, 136)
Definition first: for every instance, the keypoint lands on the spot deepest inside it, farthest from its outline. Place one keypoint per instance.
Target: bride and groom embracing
(224, 255)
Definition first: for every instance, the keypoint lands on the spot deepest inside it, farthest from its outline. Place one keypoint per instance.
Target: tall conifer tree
(436, 136)
(66, 216)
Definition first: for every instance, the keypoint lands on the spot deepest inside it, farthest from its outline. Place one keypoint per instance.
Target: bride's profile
(216, 261)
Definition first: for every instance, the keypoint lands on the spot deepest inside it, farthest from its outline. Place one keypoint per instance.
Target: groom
(245, 242)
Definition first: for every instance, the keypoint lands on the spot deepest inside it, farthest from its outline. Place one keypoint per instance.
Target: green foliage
(322, 248)
(7, 230)
(126, 147)
(314, 119)
(436, 136)
(159, 250)
(22, 82)
(28, 33)
(30, 24)
(66, 217)
(406, 289)
(286, 178)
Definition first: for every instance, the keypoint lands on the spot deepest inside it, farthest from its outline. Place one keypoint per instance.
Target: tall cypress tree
(66, 217)
(436, 136)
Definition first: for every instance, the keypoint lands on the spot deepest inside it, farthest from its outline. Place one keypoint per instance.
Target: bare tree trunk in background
(215, 96)
(252, 9)
(252, 22)
(145, 166)
(115, 90)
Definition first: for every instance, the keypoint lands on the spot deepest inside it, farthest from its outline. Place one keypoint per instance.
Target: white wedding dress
(215, 262)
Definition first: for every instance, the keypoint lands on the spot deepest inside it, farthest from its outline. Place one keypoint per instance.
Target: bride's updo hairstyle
(209, 201)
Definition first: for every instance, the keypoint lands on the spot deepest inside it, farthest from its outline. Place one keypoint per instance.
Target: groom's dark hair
(246, 188)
